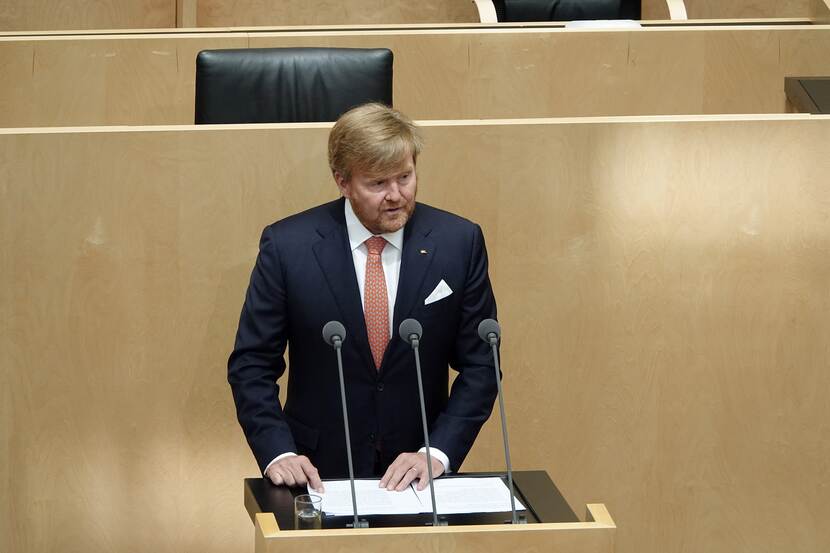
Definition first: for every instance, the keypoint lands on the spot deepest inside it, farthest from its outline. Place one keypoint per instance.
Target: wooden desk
(45, 15)
(438, 74)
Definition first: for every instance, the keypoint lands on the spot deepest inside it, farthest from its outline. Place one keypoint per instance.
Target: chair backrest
(289, 85)
(568, 10)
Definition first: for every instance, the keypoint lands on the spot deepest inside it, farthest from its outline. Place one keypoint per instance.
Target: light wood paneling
(821, 11)
(746, 9)
(570, 537)
(186, 11)
(45, 15)
(663, 9)
(654, 9)
(90, 81)
(36, 15)
(248, 13)
(666, 355)
(439, 74)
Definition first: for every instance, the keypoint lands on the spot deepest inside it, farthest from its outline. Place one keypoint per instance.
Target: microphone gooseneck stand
(410, 331)
(334, 333)
(490, 331)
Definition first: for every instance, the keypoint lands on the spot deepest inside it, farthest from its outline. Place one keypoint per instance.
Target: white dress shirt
(391, 260)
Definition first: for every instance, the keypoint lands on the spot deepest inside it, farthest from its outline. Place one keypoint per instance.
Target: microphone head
(487, 328)
(332, 329)
(408, 328)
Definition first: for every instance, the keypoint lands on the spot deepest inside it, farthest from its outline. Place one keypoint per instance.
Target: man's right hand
(295, 470)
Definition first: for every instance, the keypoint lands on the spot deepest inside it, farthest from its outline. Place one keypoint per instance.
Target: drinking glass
(308, 512)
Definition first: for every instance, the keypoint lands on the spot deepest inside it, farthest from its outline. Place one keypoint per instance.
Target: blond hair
(373, 139)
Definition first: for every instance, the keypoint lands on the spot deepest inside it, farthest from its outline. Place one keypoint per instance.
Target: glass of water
(308, 512)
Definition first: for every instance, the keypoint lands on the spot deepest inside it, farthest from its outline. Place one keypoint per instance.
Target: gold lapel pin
(423, 252)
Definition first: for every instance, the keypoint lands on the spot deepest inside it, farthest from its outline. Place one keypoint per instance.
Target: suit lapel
(419, 250)
(335, 259)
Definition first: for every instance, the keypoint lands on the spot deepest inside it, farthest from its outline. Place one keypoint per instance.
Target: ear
(342, 184)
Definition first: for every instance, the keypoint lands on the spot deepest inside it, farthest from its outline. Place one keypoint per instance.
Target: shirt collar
(358, 234)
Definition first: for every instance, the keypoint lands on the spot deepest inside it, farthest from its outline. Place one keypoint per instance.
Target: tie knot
(375, 244)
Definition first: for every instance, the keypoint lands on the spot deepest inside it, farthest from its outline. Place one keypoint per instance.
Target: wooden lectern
(552, 526)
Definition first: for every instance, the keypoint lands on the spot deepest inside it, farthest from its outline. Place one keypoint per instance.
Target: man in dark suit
(370, 259)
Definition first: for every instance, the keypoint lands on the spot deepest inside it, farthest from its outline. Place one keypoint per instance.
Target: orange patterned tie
(376, 302)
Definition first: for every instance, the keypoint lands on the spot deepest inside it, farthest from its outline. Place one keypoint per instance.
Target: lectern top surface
(534, 488)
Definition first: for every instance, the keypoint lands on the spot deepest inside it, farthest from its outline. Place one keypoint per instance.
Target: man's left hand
(408, 467)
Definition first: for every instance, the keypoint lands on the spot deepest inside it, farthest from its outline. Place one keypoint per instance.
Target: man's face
(383, 203)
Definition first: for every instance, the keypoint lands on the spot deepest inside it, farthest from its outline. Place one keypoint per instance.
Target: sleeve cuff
(277, 458)
(440, 455)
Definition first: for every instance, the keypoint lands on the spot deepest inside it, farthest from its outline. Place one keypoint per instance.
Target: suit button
(380, 386)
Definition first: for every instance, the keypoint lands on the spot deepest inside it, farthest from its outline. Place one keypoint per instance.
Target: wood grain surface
(45, 15)
(662, 286)
(439, 74)
(820, 11)
(746, 9)
(572, 537)
(248, 13)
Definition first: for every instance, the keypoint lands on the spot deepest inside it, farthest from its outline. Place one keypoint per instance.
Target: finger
(296, 470)
(423, 481)
(309, 473)
(386, 477)
(281, 474)
(390, 471)
(395, 474)
(437, 470)
(395, 483)
(275, 477)
(287, 477)
(313, 476)
(407, 478)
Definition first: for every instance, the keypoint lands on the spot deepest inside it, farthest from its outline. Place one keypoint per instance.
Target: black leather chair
(566, 10)
(289, 85)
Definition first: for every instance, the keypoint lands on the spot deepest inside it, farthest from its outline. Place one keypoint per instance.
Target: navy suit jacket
(304, 277)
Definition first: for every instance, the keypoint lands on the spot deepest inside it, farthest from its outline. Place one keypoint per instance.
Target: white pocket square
(441, 291)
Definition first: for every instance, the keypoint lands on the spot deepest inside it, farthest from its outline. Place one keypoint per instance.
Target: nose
(393, 192)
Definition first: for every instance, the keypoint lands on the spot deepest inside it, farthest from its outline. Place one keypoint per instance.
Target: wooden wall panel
(47, 15)
(248, 13)
(7, 363)
(89, 81)
(654, 9)
(820, 11)
(746, 9)
(666, 354)
(439, 74)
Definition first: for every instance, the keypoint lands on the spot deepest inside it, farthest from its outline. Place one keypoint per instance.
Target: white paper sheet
(371, 500)
(453, 496)
(468, 495)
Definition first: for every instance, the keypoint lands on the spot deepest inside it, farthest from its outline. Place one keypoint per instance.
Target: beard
(384, 221)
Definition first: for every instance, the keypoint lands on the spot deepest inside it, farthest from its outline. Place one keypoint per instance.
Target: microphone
(410, 331)
(333, 334)
(490, 331)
